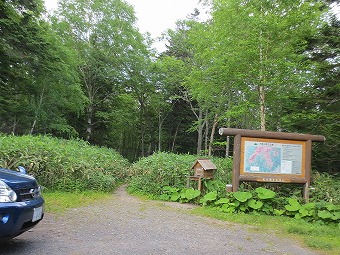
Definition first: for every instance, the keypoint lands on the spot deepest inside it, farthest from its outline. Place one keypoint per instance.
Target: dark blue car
(21, 203)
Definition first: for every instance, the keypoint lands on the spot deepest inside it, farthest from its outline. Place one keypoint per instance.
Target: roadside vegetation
(277, 208)
(67, 165)
(74, 173)
(151, 175)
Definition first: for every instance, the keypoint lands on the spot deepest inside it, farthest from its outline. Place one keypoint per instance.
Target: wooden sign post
(263, 156)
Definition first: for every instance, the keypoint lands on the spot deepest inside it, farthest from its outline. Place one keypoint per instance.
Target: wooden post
(195, 178)
(272, 135)
(200, 184)
(306, 192)
(236, 162)
(308, 166)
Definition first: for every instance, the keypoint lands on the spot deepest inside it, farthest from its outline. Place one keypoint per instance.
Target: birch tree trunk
(261, 89)
(36, 115)
(174, 140)
(200, 131)
(213, 128)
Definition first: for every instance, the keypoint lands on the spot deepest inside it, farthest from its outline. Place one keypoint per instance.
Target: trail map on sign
(274, 158)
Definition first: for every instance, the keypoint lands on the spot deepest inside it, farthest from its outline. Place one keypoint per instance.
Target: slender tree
(108, 44)
(257, 44)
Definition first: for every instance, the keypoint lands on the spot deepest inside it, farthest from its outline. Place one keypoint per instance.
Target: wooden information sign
(263, 156)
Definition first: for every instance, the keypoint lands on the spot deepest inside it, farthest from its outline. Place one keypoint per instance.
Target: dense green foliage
(259, 201)
(165, 175)
(68, 165)
(86, 72)
(263, 201)
(112, 62)
(38, 85)
(154, 175)
(317, 108)
(151, 174)
(327, 188)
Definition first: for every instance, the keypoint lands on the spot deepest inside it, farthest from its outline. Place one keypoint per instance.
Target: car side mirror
(22, 169)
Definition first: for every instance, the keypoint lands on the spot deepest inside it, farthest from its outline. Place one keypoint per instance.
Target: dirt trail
(127, 225)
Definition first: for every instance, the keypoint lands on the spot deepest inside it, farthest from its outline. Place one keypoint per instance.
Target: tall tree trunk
(200, 123)
(227, 146)
(174, 140)
(41, 98)
(160, 125)
(15, 122)
(200, 131)
(92, 88)
(142, 128)
(262, 108)
(261, 90)
(212, 134)
(206, 133)
(89, 128)
(160, 122)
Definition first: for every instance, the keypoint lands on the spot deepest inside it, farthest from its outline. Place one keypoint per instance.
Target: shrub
(326, 187)
(151, 174)
(70, 165)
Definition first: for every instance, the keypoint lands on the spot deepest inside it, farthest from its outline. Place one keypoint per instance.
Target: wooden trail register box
(203, 168)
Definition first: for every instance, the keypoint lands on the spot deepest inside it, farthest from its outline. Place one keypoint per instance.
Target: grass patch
(318, 237)
(59, 201)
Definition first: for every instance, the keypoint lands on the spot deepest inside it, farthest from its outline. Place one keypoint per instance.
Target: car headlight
(6, 193)
(37, 192)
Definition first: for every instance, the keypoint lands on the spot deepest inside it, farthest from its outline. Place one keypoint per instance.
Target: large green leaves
(293, 205)
(264, 193)
(252, 203)
(209, 197)
(242, 196)
(192, 193)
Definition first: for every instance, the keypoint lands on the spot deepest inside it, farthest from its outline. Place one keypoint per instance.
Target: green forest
(86, 72)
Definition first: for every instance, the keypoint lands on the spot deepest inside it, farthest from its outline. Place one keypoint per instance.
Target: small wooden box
(204, 168)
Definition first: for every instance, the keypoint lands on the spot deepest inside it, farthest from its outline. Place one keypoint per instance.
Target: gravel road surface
(129, 226)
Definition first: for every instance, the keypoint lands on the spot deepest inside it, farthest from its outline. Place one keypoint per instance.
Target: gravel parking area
(127, 225)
